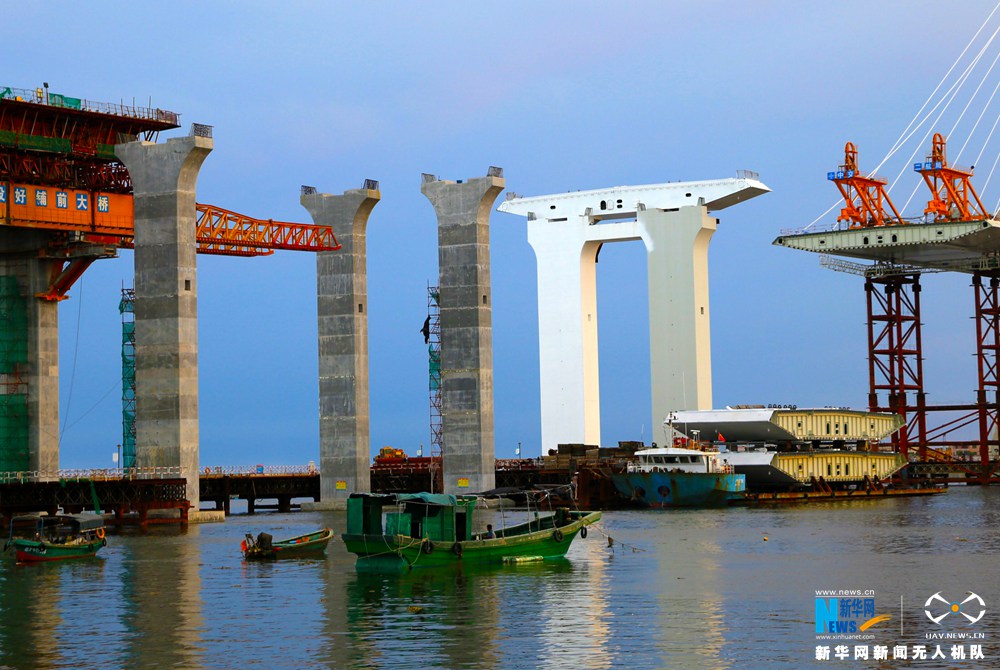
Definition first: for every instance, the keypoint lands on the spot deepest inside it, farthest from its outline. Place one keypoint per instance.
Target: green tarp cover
(429, 498)
(64, 101)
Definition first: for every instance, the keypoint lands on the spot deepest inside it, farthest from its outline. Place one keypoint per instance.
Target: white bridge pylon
(566, 231)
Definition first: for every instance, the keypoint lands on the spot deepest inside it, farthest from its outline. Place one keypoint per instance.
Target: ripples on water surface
(706, 591)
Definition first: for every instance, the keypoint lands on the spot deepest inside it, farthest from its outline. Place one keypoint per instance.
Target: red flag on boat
(721, 439)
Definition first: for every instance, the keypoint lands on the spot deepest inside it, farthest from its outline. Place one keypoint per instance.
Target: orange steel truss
(223, 231)
(219, 231)
(953, 198)
(865, 197)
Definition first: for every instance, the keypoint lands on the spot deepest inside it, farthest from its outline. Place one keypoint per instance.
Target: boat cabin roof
(435, 516)
(77, 522)
(393, 498)
(674, 451)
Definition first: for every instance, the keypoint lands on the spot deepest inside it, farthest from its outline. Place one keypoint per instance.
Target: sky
(562, 95)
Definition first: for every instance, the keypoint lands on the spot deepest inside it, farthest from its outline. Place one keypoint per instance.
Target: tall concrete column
(463, 212)
(342, 311)
(43, 376)
(164, 177)
(680, 348)
(567, 324)
(29, 356)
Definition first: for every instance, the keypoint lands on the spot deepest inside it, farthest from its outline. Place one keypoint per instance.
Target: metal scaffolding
(127, 309)
(432, 337)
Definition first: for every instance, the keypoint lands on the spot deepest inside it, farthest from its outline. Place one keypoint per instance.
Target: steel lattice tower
(432, 337)
(127, 309)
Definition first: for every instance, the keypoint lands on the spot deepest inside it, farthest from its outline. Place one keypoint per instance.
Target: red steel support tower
(987, 351)
(895, 359)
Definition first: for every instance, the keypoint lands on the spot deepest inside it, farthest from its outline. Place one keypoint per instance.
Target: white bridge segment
(566, 232)
(621, 202)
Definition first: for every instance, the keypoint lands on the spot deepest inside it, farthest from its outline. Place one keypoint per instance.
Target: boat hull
(680, 489)
(311, 545)
(401, 552)
(33, 551)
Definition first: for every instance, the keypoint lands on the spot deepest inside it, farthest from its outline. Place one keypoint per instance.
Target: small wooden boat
(41, 538)
(264, 547)
(435, 530)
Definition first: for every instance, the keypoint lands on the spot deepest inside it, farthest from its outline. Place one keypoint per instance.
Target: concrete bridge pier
(566, 231)
(680, 354)
(164, 177)
(680, 351)
(342, 312)
(463, 212)
(29, 357)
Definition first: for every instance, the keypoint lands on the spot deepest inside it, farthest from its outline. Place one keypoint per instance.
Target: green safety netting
(127, 308)
(434, 366)
(13, 358)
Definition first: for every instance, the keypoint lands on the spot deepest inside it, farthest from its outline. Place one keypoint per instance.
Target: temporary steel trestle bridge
(955, 234)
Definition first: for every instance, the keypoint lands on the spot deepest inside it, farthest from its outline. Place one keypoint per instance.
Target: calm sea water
(732, 588)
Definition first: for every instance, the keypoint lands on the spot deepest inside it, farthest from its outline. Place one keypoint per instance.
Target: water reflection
(446, 618)
(160, 599)
(577, 620)
(730, 588)
(691, 628)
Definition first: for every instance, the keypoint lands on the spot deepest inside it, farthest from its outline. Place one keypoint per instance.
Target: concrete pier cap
(463, 211)
(164, 178)
(566, 231)
(342, 314)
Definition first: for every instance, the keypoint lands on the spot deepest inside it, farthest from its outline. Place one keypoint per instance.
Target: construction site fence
(841, 225)
(505, 464)
(97, 474)
(40, 96)
(247, 470)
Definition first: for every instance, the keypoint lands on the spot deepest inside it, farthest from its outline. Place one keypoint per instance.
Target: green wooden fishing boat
(435, 530)
(40, 538)
(264, 547)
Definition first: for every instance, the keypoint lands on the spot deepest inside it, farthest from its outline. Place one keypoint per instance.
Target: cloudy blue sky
(563, 96)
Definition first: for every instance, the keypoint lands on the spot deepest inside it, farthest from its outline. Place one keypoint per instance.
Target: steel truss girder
(64, 171)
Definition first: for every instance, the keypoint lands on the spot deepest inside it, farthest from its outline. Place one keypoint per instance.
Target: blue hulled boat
(677, 477)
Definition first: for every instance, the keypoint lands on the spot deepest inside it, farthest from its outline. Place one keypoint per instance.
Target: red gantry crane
(953, 198)
(867, 203)
(892, 286)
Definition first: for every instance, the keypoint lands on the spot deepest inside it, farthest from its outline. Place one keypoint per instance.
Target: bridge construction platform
(132, 501)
